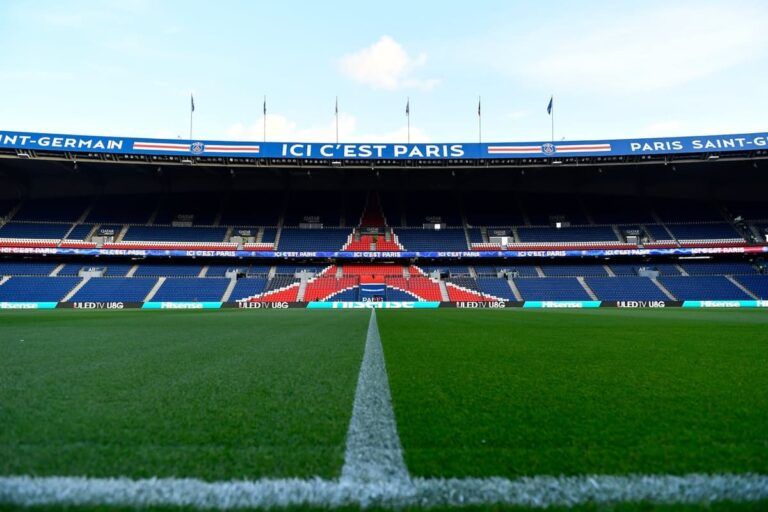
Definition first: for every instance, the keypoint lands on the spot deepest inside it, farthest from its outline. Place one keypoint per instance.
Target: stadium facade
(108, 222)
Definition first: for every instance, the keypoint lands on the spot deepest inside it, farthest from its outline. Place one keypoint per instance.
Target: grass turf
(216, 395)
(510, 393)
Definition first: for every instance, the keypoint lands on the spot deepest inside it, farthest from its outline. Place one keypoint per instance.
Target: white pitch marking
(373, 452)
(374, 474)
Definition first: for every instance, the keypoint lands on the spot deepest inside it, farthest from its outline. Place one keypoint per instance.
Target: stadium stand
(432, 240)
(495, 286)
(191, 289)
(551, 288)
(26, 268)
(167, 270)
(36, 289)
(562, 270)
(757, 284)
(247, 287)
(327, 239)
(107, 289)
(625, 288)
(703, 288)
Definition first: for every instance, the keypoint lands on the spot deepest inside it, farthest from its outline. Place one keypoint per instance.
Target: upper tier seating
(719, 231)
(252, 209)
(52, 210)
(658, 233)
(703, 288)
(757, 284)
(492, 209)
(551, 288)
(174, 234)
(120, 289)
(495, 286)
(625, 288)
(36, 289)
(303, 240)
(34, 230)
(202, 208)
(618, 210)
(80, 232)
(450, 240)
(749, 210)
(26, 268)
(540, 209)
(248, 287)
(567, 234)
(122, 210)
(422, 207)
(185, 289)
(676, 210)
(325, 208)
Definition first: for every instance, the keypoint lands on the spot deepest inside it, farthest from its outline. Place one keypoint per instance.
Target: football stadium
(383, 256)
(590, 329)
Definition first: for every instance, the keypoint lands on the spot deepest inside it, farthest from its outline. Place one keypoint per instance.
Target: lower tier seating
(110, 289)
(703, 288)
(625, 288)
(37, 289)
(551, 288)
(190, 289)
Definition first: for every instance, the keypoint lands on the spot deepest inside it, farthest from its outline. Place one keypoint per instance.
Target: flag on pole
(551, 105)
(192, 102)
(408, 107)
(265, 105)
(478, 108)
(336, 111)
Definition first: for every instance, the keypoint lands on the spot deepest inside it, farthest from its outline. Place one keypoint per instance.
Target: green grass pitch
(249, 394)
(516, 393)
(217, 395)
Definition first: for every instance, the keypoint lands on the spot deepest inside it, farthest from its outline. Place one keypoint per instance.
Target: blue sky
(617, 69)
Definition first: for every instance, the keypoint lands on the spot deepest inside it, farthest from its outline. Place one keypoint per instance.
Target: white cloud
(280, 128)
(386, 65)
(644, 50)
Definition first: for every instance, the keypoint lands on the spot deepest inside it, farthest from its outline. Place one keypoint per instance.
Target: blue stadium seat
(757, 284)
(718, 268)
(36, 289)
(567, 234)
(26, 268)
(174, 234)
(34, 230)
(432, 240)
(167, 270)
(625, 288)
(703, 288)
(114, 289)
(551, 288)
(564, 270)
(185, 289)
(495, 286)
(247, 287)
(301, 240)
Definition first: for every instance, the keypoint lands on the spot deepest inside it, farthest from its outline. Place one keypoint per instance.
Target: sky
(617, 69)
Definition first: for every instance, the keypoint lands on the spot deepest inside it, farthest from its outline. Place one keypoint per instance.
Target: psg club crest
(198, 147)
(548, 148)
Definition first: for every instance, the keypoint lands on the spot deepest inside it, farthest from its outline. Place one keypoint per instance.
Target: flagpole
(337, 119)
(408, 117)
(265, 118)
(552, 133)
(191, 113)
(479, 121)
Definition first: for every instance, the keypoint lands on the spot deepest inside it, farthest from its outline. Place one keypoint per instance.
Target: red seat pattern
(382, 270)
(423, 287)
(364, 244)
(320, 288)
(460, 294)
(287, 294)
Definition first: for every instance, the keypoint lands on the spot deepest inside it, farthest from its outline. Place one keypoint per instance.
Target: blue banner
(351, 255)
(373, 151)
